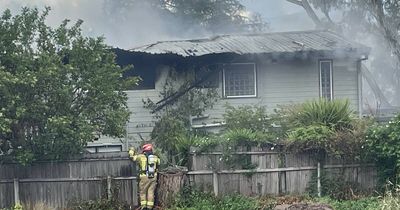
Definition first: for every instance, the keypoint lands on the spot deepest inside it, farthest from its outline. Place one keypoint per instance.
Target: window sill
(236, 97)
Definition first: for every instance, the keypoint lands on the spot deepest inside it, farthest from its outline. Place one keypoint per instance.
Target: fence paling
(58, 183)
(209, 172)
(65, 179)
(17, 181)
(16, 192)
(276, 173)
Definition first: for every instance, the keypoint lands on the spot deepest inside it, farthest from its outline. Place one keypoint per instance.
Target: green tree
(211, 15)
(383, 142)
(58, 89)
(380, 16)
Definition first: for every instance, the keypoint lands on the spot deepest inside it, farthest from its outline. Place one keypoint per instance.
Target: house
(268, 69)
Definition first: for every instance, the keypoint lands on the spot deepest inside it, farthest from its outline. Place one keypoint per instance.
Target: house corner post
(16, 192)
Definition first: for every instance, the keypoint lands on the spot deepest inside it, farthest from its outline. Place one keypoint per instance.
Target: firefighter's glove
(132, 152)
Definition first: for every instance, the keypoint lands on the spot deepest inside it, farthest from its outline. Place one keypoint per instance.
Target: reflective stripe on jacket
(141, 160)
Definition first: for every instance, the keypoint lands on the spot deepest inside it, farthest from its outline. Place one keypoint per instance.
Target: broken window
(208, 77)
(147, 78)
(239, 80)
(325, 79)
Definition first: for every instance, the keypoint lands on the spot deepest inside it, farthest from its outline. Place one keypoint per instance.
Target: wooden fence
(273, 172)
(58, 184)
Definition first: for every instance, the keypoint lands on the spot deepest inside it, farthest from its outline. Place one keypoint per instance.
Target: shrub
(247, 117)
(317, 133)
(324, 126)
(246, 137)
(383, 144)
(335, 114)
(171, 136)
(205, 142)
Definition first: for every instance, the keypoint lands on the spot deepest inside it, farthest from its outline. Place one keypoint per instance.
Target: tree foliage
(373, 16)
(211, 15)
(383, 142)
(58, 89)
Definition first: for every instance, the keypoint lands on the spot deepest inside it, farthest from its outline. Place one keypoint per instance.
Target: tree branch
(389, 35)
(295, 2)
(310, 12)
(172, 98)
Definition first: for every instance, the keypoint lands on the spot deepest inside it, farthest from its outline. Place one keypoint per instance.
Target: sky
(144, 27)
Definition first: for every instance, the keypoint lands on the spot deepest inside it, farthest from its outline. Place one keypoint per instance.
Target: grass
(195, 200)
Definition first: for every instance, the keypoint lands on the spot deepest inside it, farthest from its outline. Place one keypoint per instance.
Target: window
(325, 79)
(147, 78)
(239, 80)
(208, 77)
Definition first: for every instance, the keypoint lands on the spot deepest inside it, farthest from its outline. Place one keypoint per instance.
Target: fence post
(215, 183)
(109, 194)
(16, 192)
(319, 179)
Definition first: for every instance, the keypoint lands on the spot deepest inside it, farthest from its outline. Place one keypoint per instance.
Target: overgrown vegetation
(336, 187)
(383, 144)
(193, 199)
(181, 99)
(366, 203)
(327, 127)
(101, 204)
(58, 88)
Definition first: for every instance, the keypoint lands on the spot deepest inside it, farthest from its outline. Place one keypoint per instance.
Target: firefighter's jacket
(141, 160)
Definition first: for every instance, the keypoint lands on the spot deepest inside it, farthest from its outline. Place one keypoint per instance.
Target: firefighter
(148, 166)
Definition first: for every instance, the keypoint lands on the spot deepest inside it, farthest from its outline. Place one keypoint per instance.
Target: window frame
(330, 61)
(224, 81)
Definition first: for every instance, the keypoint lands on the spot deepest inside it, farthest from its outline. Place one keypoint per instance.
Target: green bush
(383, 144)
(205, 142)
(253, 118)
(246, 137)
(316, 133)
(324, 126)
(171, 136)
(334, 114)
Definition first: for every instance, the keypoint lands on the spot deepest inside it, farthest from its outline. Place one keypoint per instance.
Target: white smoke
(123, 27)
(145, 25)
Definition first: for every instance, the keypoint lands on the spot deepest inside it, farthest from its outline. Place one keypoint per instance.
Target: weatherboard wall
(277, 83)
(292, 82)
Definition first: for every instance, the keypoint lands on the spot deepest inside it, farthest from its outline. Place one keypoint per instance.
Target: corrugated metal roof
(256, 43)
